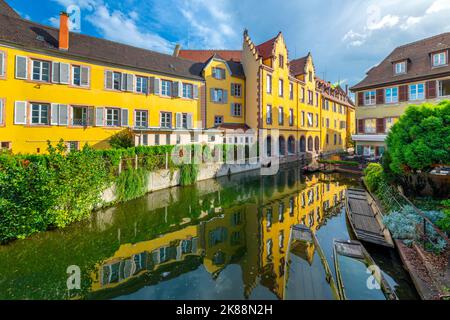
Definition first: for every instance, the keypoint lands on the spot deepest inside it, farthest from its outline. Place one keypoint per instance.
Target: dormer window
(400, 67)
(439, 59)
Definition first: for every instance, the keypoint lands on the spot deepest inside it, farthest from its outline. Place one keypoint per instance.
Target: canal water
(220, 239)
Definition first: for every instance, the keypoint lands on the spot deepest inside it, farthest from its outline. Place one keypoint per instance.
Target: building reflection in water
(253, 232)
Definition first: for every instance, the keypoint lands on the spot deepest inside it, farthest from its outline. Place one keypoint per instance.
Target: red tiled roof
(419, 63)
(205, 55)
(297, 66)
(265, 49)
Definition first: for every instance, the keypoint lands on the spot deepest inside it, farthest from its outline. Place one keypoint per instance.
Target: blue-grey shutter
(130, 82)
(2, 112)
(63, 115)
(212, 95)
(91, 116)
(151, 85)
(175, 89)
(232, 90)
(232, 109)
(21, 67)
(157, 86)
(20, 112)
(178, 120)
(54, 114)
(56, 72)
(99, 117)
(190, 123)
(124, 118)
(64, 73)
(145, 85)
(85, 76)
(195, 89)
(225, 96)
(2, 64)
(108, 80)
(124, 82)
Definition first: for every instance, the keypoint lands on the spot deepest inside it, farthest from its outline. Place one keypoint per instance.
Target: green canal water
(219, 239)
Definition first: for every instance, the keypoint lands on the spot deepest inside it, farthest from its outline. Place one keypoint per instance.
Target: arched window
(269, 146)
(282, 145)
(302, 144)
(291, 145)
(310, 144)
(317, 144)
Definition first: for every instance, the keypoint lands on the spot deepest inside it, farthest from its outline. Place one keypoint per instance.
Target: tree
(420, 138)
(122, 140)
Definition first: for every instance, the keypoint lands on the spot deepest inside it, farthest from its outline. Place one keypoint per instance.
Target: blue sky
(346, 37)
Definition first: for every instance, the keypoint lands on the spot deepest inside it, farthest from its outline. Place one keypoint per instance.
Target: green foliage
(340, 162)
(131, 184)
(373, 176)
(122, 140)
(444, 222)
(40, 192)
(420, 138)
(188, 174)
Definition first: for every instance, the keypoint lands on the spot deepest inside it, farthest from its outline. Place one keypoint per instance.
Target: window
(117, 81)
(310, 97)
(217, 95)
(41, 71)
(327, 122)
(317, 99)
(303, 94)
(269, 84)
(389, 122)
(218, 73)
(280, 87)
(218, 120)
(417, 91)
(166, 88)
(291, 117)
(166, 120)
(400, 67)
(444, 88)
(370, 126)
(439, 59)
(280, 115)
(236, 90)
(40, 114)
(310, 75)
(79, 116)
(303, 119)
(76, 75)
(281, 61)
(310, 119)
(334, 106)
(236, 110)
(184, 120)
(335, 139)
(391, 95)
(269, 114)
(141, 84)
(317, 120)
(141, 118)
(113, 117)
(291, 91)
(369, 98)
(73, 146)
(327, 138)
(5, 145)
(188, 90)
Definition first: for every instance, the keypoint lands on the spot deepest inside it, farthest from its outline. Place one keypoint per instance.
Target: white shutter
(85, 76)
(64, 73)
(124, 117)
(124, 78)
(108, 79)
(91, 116)
(180, 89)
(56, 72)
(195, 93)
(157, 87)
(130, 82)
(21, 67)
(20, 112)
(63, 115)
(99, 117)
(2, 64)
(2, 112)
(54, 119)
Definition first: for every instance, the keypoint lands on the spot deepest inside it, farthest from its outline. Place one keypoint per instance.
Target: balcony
(369, 137)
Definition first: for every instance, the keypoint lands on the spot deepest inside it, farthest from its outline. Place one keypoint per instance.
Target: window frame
(41, 62)
(112, 111)
(84, 116)
(373, 129)
(73, 75)
(40, 105)
(216, 123)
(372, 98)
(403, 70)
(186, 91)
(234, 110)
(440, 63)
(418, 96)
(389, 98)
(166, 88)
(165, 120)
(280, 87)
(140, 120)
(143, 89)
(269, 83)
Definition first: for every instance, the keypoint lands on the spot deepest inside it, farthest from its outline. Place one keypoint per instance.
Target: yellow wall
(28, 138)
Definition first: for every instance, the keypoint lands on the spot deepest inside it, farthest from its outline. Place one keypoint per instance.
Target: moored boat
(357, 275)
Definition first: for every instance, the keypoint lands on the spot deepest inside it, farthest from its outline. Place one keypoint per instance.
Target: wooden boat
(366, 219)
(307, 275)
(357, 275)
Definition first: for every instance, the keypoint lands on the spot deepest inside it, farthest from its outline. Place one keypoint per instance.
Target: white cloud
(438, 6)
(411, 21)
(354, 39)
(387, 21)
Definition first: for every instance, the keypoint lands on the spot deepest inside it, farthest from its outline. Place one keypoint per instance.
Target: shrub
(373, 176)
(444, 221)
(188, 174)
(131, 184)
(122, 140)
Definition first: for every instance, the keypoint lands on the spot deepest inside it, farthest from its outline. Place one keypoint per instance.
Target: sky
(345, 37)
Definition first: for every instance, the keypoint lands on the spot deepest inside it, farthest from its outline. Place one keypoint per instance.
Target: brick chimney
(64, 31)
(176, 52)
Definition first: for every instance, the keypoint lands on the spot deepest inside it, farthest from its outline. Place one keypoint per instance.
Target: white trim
(369, 137)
